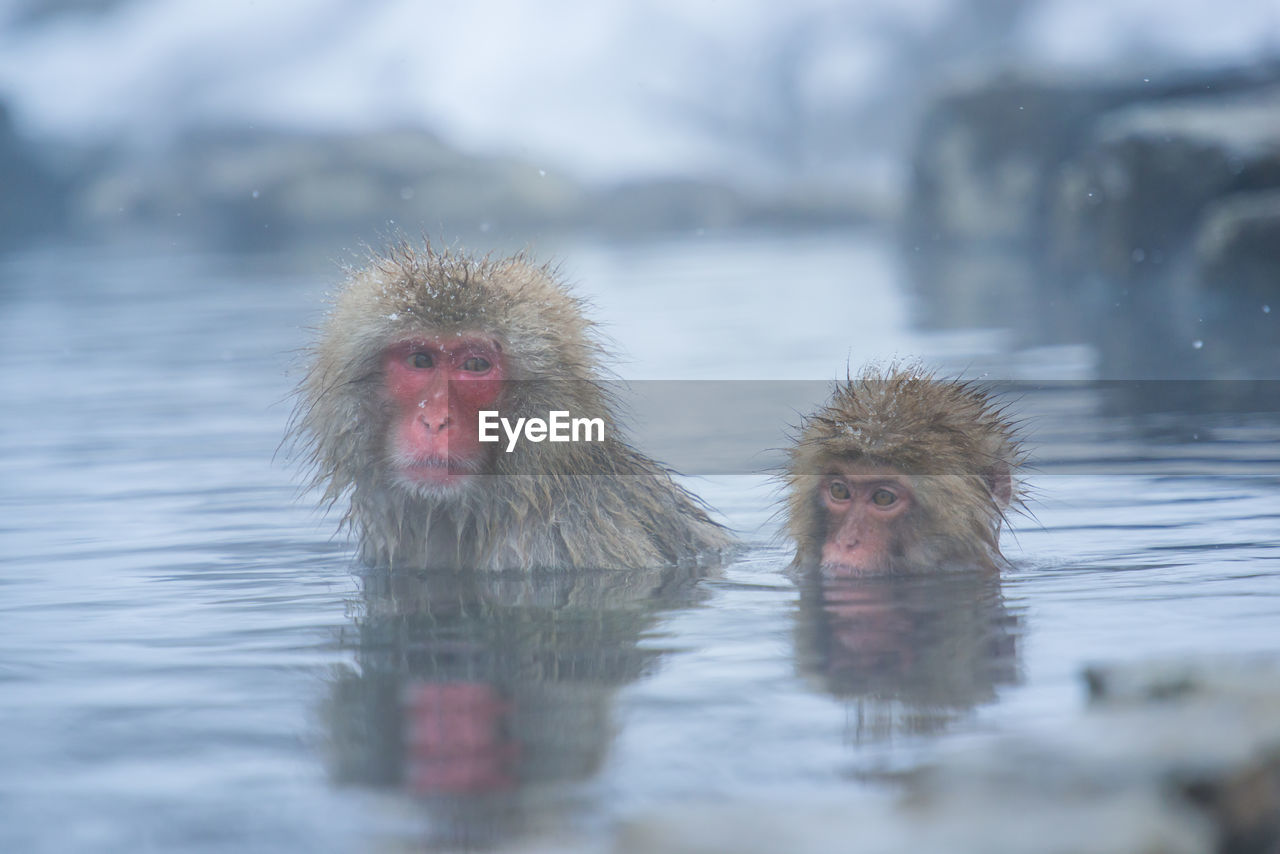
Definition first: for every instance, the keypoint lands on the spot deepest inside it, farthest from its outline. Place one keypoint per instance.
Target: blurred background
(1025, 190)
(1077, 171)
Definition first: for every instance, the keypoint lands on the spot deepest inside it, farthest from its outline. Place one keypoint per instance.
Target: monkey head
(415, 347)
(901, 472)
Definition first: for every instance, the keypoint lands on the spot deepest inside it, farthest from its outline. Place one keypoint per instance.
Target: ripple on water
(190, 660)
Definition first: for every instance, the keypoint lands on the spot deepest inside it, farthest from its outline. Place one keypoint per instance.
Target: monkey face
(414, 349)
(435, 387)
(868, 511)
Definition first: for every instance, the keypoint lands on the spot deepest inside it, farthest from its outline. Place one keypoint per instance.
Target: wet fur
(947, 437)
(544, 505)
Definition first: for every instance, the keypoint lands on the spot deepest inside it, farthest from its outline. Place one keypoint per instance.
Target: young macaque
(900, 472)
(417, 350)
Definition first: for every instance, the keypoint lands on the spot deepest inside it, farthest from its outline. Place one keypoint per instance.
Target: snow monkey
(901, 472)
(425, 362)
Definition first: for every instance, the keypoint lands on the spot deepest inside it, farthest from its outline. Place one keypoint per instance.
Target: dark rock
(1238, 245)
(1127, 214)
(975, 214)
(984, 174)
(267, 187)
(1234, 278)
(263, 188)
(680, 204)
(1133, 215)
(1004, 820)
(1169, 757)
(1211, 730)
(33, 199)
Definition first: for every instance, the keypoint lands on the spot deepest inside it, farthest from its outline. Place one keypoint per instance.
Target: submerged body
(420, 349)
(901, 472)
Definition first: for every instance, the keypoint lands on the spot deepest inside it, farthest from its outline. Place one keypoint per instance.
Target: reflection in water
(168, 604)
(912, 652)
(478, 692)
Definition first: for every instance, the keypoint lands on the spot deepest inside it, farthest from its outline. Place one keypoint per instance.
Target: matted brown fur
(947, 437)
(598, 504)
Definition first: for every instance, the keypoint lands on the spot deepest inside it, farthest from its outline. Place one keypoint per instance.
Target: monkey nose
(847, 542)
(434, 421)
(843, 553)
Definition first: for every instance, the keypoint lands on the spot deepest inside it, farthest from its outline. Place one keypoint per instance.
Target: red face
(437, 387)
(458, 739)
(867, 509)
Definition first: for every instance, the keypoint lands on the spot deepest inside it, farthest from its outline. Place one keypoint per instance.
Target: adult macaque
(901, 472)
(416, 347)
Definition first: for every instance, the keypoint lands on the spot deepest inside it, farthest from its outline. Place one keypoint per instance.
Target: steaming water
(190, 660)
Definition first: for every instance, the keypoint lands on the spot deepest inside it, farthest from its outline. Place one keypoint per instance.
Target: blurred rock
(984, 174)
(983, 152)
(963, 824)
(1170, 757)
(984, 164)
(1238, 245)
(1069, 209)
(687, 204)
(680, 204)
(1234, 277)
(33, 199)
(1211, 729)
(1128, 212)
(268, 187)
(264, 188)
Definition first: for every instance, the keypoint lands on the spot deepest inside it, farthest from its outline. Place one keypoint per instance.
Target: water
(190, 660)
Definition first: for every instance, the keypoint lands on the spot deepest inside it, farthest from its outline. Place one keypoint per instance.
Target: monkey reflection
(479, 693)
(915, 653)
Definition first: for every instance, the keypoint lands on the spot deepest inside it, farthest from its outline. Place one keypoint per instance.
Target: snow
(612, 90)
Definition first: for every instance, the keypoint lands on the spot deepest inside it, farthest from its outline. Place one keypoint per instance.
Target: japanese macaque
(900, 472)
(416, 347)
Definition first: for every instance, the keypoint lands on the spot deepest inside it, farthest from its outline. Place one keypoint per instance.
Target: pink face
(458, 739)
(867, 509)
(437, 387)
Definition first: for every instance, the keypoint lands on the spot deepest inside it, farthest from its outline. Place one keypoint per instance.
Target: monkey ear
(999, 481)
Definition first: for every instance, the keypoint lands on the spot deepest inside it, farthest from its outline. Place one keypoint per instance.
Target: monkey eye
(421, 360)
(883, 498)
(839, 491)
(476, 364)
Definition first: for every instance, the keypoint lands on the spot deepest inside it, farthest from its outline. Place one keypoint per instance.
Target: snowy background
(755, 90)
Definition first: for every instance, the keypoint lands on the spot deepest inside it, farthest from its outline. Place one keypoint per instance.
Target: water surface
(191, 660)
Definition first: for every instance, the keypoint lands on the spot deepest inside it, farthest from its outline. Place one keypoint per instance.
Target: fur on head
(541, 505)
(956, 447)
